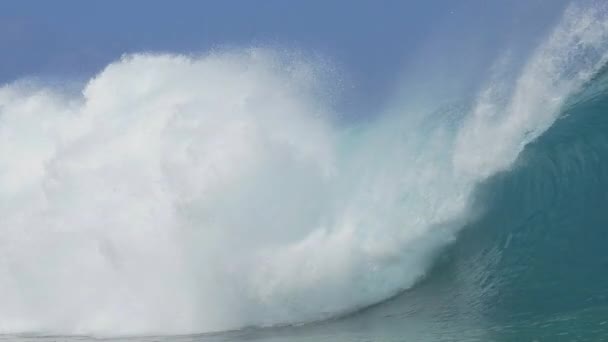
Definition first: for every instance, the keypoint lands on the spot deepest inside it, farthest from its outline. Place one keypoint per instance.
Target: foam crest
(507, 117)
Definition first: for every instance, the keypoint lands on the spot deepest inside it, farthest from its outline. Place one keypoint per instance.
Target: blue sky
(372, 42)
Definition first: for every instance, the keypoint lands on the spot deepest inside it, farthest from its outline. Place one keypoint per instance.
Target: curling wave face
(190, 194)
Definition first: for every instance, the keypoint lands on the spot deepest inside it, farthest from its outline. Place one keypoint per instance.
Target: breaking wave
(180, 194)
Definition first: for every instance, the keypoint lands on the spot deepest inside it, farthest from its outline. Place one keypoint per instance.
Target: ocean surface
(218, 198)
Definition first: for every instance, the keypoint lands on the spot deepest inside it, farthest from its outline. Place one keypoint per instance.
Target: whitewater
(181, 194)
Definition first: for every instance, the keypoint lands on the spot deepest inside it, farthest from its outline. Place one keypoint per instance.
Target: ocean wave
(191, 194)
